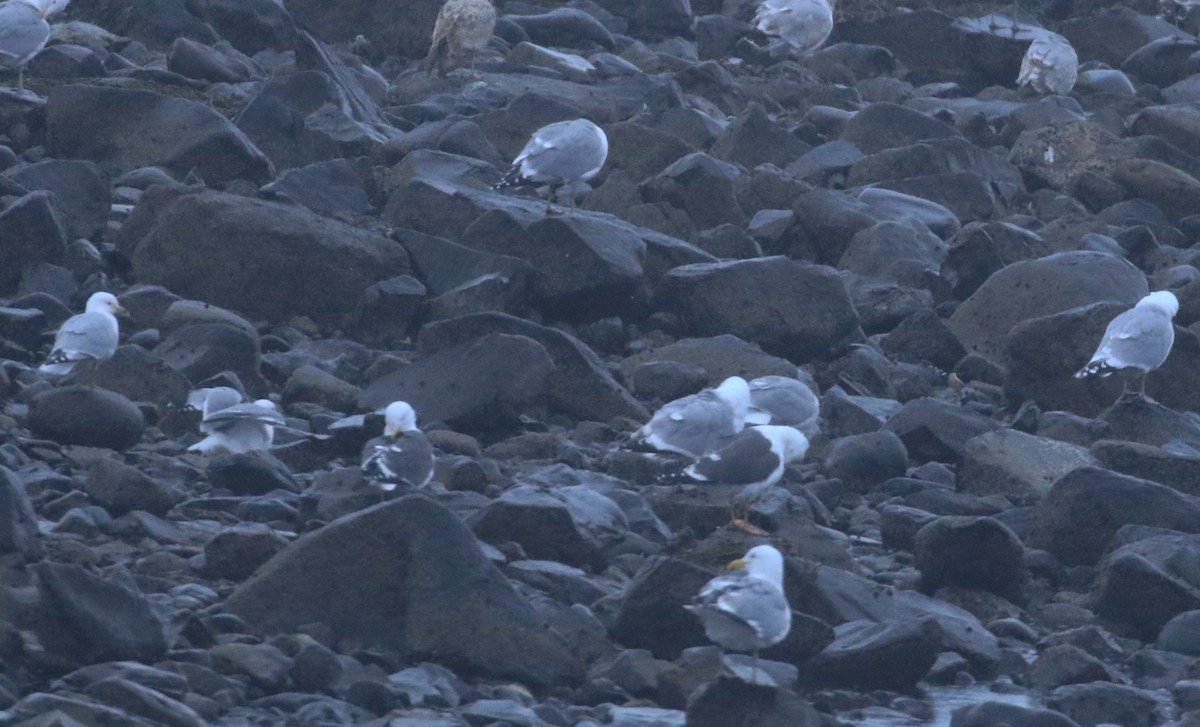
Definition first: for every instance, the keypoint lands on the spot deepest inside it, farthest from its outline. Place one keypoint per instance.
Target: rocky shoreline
(285, 205)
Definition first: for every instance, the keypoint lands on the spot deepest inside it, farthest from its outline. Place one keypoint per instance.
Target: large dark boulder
(407, 577)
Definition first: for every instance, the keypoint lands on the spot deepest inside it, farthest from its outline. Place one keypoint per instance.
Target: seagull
(402, 455)
(24, 32)
(1050, 65)
(211, 400)
(1139, 339)
(756, 457)
(746, 609)
(92, 334)
(561, 154)
(239, 428)
(462, 27)
(783, 400)
(696, 424)
(801, 25)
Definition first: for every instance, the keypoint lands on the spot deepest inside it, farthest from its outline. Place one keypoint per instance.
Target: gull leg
(741, 520)
(754, 673)
(21, 77)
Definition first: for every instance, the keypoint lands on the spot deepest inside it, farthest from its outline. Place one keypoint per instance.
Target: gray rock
(134, 128)
(144, 702)
(257, 473)
(236, 552)
(1179, 470)
(988, 714)
(86, 619)
(980, 249)
(18, 532)
(1179, 635)
(394, 30)
(885, 126)
(1050, 285)
(1134, 419)
(119, 489)
(1083, 511)
(1113, 35)
(487, 382)
(1146, 583)
(206, 244)
(790, 308)
(86, 416)
(79, 192)
(905, 252)
(702, 187)
(313, 385)
(753, 139)
(1175, 123)
(870, 655)
(339, 188)
(923, 337)
(445, 601)
(718, 357)
(33, 232)
(933, 430)
(1106, 703)
(138, 375)
(196, 60)
(1065, 664)
(729, 699)
(70, 710)
(566, 27)
(651, 614)
(1019, 466)
(862, 461)
(253, 25)
(971, 552)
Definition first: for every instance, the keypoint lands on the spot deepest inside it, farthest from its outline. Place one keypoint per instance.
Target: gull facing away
(463, 27)
(91, 335)
(560, 154)
(696, 424)
(211, 400)
(746, 609)
(402, 455)
(24, 32)
(800, 25)
(239, 429)
(784, 400)
(1050, 65)
(1138, 340)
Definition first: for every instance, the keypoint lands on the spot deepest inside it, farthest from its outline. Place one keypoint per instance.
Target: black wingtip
(511, 178)
(1095, 368)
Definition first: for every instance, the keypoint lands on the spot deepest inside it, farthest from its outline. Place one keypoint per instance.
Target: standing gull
(402, 455)
(92, 334)
(1139, 339)
(24, 32)
(1050, 65)
(211, 400)
(463, 27)
(800, 25)
(696, 424)
(746, 609)
(562, 154)
(239, 429)
(784, 400)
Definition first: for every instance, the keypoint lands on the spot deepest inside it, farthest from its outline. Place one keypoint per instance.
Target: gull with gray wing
(403, 455)
(239, 429)
(696, 424)
(91, 335)
(1138, 340)
(784, 400)
(24, 32)
(566, 153)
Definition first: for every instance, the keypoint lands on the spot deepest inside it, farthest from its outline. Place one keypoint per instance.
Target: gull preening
(463, 28)
(1050, 65)
(24, 32)
(1138, 340)
(402, 456)
(746, 609)
(91, 335)
(235, 428)
(784, 400)
(800, 25)
(566, 153)
(695, 425)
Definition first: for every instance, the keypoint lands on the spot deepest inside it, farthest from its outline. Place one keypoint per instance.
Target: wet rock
(730, 699)
(980, 249)
(119, 489)
(395, 30)
(313, 385)
(86, 416)
(790, 308)
(86, 619)
(886, 125)
(993, 713)
(871, 655)
(446, 601)
(116, 126)
(1179, 470)
(753, 139)
(205, 244)
(1083, 511)
(972, 552)
(196, 60)
(138, 375)
(1066, 664)
(488, 381)
(568, 27)
(1134, 419)
(257, 473)
(144, 702)
(254, 25)
(1176, 123)
(718, 357)
(1113, 35)
(1179, 634)
(651, 614)
(1019, 466)
(337, 188)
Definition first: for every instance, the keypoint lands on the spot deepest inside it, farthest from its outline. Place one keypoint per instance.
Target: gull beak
(739, 564)
(390, 432)
(119, 311)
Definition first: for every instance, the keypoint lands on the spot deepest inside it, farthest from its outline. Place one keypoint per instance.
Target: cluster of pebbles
(286, 205)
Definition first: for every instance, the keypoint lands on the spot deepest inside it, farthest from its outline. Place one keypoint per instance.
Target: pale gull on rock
(1050, 65)
(696, 424)
(24, 32)
(784, 400)
(561, 154)
(93, 335)
(463, 27)
(1139, 339)
(746, 609)
(801, 25)
(239, 429)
